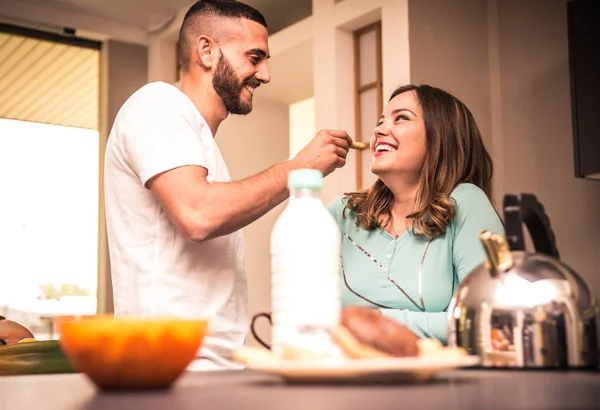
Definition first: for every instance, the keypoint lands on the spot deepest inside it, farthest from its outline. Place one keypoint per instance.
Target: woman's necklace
(393, 230)
(391, 222)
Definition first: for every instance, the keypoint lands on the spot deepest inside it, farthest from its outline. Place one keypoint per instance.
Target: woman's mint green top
(372, 261)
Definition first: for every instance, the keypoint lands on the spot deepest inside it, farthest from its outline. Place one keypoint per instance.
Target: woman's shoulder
(338, 203)
(467, 192)
(469, 196)
(336, 207)
(344, 216)
(339, 200)
(473, 204)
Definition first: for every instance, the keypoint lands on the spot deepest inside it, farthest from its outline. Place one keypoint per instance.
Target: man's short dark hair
(206, 10)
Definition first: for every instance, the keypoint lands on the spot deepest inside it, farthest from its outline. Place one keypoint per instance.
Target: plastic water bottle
(305, 262)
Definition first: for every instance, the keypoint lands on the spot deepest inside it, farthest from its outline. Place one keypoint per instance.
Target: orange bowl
(127, 353)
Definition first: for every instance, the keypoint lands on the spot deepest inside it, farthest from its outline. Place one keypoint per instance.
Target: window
(368, 97)
(302, 124)
(49, 173)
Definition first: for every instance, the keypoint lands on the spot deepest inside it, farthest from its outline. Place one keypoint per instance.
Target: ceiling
(282, 13)
(146, 15)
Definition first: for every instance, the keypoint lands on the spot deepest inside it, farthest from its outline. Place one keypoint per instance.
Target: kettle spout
(500, 258)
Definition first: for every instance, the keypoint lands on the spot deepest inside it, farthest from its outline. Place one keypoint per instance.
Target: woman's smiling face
(399, 143)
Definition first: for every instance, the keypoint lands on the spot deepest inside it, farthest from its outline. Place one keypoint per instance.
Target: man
(173, 214)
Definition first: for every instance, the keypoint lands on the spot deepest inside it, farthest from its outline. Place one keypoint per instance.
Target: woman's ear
(205, 52)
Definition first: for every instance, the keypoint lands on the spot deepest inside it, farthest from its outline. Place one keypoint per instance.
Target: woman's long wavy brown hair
(455, 154)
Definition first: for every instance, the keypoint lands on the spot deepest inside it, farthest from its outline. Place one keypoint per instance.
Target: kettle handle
(525, 208)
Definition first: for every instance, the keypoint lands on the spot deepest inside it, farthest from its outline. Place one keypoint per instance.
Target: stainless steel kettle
(522, 309)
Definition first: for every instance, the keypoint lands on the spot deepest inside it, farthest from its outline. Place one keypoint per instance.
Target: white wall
(123, 70)
(508, 61)
(302, 124)
(250, 144)
(162, 60)
(333, 24)
(449, 48)
(536, 128)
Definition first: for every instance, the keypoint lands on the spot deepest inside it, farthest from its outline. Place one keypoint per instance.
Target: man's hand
(325, 152)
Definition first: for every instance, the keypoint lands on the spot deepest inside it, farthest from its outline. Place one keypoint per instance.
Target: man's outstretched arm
(203, 210)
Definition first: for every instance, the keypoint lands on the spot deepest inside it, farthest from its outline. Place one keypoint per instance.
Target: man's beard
(227, 86)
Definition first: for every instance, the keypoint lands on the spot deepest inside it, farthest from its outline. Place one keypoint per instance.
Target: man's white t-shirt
(155, 271)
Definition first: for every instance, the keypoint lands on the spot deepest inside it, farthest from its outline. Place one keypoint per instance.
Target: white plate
(410, 369)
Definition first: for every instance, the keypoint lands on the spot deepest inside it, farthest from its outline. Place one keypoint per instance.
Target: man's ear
(205, 49)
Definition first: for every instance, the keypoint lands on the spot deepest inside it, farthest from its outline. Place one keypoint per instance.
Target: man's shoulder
(157, 91)
(160, 102)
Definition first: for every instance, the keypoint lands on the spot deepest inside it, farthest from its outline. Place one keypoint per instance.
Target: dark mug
(253, 331)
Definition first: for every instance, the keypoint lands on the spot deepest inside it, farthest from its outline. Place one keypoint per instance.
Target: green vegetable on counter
(40, 357)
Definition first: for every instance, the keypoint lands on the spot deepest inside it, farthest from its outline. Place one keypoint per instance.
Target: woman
(412, 237)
